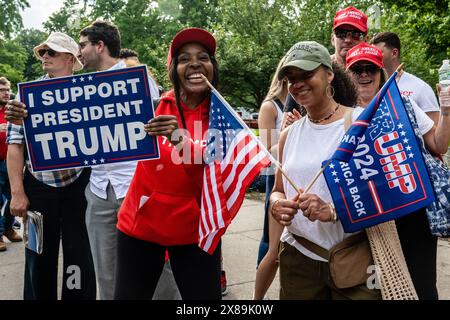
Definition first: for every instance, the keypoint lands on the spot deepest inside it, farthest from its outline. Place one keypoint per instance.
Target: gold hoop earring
(330, 96)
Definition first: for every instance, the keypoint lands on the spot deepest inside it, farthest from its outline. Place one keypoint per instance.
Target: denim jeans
(6, 219)
(264, 243)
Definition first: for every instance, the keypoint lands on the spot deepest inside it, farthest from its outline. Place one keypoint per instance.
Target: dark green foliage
(252, 35)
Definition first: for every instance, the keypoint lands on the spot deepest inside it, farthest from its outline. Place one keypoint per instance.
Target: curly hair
(126, 53)
(345, 91)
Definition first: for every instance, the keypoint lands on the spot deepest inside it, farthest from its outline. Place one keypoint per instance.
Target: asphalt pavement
(240, 250)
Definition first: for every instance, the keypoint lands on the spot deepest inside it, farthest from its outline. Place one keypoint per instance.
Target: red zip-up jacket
(3, 145)
(162, 204)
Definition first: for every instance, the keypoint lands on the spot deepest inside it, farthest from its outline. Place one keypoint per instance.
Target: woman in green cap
(327, 94)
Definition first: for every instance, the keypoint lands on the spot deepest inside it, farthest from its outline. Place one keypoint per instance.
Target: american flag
(234, 158)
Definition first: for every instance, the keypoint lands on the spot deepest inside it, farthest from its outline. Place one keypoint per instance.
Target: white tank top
(307, 146)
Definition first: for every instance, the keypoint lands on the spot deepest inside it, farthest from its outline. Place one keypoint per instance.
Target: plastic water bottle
(444, 74)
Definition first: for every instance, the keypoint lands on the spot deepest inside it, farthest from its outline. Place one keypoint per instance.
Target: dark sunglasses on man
(343, 34)
(50, 52)
(367, 68)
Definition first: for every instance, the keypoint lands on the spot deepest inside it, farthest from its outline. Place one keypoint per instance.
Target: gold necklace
(326, 118)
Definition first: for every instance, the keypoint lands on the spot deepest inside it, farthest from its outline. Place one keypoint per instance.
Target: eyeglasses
(367, 68)
(301, 77)
(52, 53)
(343, 34)
(84, 43)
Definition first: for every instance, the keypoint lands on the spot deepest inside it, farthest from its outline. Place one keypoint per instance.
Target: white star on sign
(90, 78)
(411, 155)
(403, 133)
(334, 173)
(82, 79)
(408, 148)
(74, 80)
(400, 126)
(331, 166)
(405, 140)
(86, 162)
(336, 180)
(102, 160)
(94, 161)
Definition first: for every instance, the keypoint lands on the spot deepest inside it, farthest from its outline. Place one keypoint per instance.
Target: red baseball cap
(188, 35)
(364, 52)
(351, 16)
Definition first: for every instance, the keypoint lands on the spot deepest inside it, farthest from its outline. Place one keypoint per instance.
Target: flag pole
(261, 145)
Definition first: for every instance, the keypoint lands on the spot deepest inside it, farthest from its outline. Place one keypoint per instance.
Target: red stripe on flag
(233, 210)
(361, 123)
(241, 166)
(344, 150)
(219, 221)
(235, 151)
(375, 197)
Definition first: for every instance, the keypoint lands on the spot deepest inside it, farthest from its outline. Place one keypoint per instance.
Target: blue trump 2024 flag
(378, 173)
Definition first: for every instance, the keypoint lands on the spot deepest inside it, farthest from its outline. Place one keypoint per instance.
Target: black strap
(278, 103)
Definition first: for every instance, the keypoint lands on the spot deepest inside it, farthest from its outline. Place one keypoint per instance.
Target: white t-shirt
(118, 174)
(418, 91)
(306, 146)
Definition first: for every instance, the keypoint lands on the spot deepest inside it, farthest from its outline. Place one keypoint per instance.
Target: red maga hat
(364, 52)
(188, 35)
(351, 16)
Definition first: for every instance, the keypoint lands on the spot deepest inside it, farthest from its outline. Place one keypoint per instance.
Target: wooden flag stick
(261, 145)
(317, 176)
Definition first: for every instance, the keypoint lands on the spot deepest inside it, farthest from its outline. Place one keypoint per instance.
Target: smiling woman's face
(194, 60)
(366, 77)
(308, 87)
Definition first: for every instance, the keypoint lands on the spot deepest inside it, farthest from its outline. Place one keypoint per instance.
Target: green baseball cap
(305, 55)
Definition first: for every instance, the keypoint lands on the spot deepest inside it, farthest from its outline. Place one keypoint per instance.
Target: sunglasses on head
(343, 34)
(367, 68)
(50, 52)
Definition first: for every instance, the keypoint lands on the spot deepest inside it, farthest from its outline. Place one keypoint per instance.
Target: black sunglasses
(368, 68)
(343, 34)
(50, 52)
(302, 77)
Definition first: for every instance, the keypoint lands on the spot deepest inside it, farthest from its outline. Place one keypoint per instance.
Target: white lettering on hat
(364, 50)
(350, 14)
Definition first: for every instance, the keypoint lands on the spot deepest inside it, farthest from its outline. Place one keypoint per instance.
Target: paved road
(240, 247)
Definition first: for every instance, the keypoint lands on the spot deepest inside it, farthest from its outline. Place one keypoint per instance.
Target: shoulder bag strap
(348, 119)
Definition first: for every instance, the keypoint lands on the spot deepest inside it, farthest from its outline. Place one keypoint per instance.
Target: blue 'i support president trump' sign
(88, 119)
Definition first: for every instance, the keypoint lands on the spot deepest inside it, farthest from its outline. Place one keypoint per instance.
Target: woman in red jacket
(162, 208)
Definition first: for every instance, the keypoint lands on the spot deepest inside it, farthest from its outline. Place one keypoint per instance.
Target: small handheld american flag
(234, 158)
